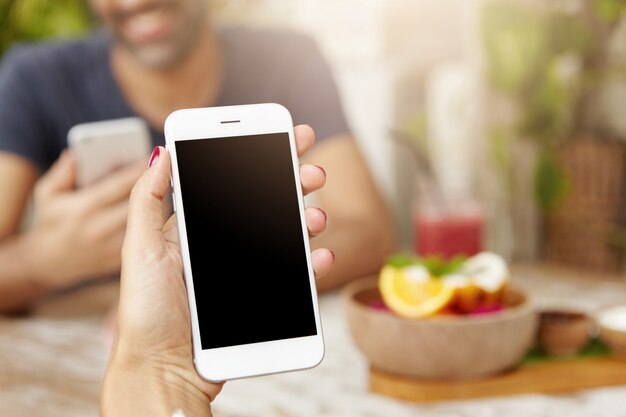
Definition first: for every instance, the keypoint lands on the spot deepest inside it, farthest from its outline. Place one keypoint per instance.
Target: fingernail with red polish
(323, 170)
(332, 252)
(324, 213)
(155, 156)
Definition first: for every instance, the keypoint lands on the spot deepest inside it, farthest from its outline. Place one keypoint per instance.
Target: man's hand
(78, 233)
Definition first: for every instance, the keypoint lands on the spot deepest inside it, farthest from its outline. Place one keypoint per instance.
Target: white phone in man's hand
(102, 147)
(244, 241)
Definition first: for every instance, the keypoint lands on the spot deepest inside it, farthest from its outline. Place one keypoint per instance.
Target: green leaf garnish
(436, 265)
(439, 267)
(400, 260)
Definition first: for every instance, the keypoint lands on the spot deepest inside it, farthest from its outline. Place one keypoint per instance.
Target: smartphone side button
(173, 202)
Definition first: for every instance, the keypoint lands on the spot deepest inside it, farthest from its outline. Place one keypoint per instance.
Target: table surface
(52, 362)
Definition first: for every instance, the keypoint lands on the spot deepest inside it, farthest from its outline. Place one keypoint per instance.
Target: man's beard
(173, 50)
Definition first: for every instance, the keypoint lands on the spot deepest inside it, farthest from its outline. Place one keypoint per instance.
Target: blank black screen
(247, 252)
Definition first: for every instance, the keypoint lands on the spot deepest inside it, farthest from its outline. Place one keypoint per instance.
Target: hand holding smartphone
(244, 241)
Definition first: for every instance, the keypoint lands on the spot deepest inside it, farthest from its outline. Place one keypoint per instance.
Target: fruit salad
(415, 288)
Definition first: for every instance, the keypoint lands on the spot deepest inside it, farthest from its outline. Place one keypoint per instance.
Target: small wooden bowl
(563, 332)
(442, 347)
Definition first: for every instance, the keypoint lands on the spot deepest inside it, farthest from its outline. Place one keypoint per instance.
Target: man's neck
(154, 93)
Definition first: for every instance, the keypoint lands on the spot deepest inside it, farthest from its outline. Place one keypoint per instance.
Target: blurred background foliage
(543, 62)
(32, 20)
(549, 60)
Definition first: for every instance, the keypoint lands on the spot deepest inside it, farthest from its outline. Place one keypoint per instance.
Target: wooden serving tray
(547, 377)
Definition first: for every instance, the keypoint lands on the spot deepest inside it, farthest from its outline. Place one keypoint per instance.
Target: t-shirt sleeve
(22, 128)
(312, 95)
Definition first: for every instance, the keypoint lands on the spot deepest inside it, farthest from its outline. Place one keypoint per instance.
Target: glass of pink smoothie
(450, 228)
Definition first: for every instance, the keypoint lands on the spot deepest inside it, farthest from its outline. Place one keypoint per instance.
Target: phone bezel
(254, 359)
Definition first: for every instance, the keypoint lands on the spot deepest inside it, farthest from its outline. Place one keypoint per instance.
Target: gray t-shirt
(45, 89)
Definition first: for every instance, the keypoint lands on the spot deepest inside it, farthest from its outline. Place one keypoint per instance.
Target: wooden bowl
(563, 332)
(439, 347)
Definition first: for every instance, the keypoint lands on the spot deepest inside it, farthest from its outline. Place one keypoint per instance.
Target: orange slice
(411, 293)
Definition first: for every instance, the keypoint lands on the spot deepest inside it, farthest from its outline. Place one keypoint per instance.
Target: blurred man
(153, 57)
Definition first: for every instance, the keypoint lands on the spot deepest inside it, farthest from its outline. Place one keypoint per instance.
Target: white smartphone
(102, 147)
(244, 240)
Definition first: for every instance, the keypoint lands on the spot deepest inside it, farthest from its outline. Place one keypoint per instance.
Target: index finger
(305, 138)
(115, 187)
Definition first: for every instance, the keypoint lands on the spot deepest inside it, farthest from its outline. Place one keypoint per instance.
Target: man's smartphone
(244, 240)
(102, 147)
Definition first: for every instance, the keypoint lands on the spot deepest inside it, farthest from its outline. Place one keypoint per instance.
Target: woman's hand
(151, 368)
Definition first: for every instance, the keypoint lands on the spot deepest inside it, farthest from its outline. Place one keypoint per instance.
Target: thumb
(60, 177)
(147, 200)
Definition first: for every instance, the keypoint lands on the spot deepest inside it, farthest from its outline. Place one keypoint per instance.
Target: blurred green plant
(551, 183)
(33, 20)
(594, 349)
(548, 60)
